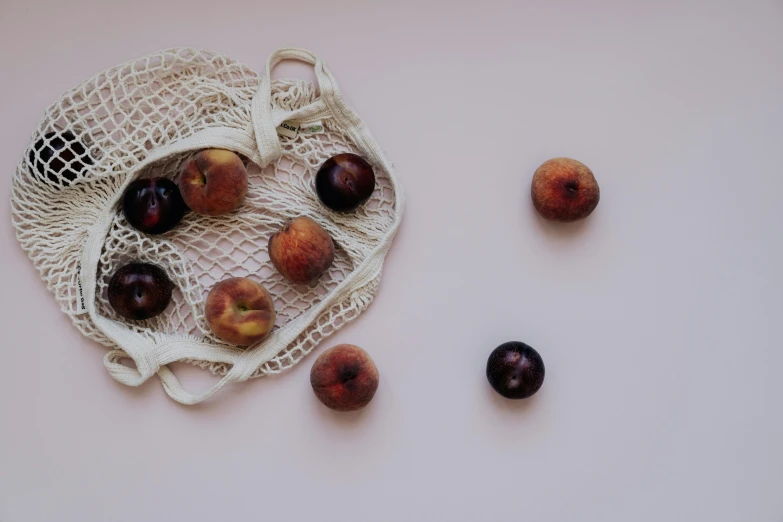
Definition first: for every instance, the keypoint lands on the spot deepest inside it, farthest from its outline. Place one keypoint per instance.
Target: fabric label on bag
(236, 246)
(288, 129)
(313, 127)
(81, 307)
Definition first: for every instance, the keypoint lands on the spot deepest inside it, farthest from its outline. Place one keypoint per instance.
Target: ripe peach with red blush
(565, 190)
(239, 311)
(301, 251)
(344, 378)
(213, 182)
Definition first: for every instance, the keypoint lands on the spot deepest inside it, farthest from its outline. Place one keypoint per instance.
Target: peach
(301, 251)
(240, 311)
(564, 189)
(344, 378)
(213, 182)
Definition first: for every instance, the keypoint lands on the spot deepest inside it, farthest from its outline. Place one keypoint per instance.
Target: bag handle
(150, 359)
(264, 124)
(154, 360)
(171, 384)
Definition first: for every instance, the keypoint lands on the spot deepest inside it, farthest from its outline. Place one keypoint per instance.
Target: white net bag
(145, 118)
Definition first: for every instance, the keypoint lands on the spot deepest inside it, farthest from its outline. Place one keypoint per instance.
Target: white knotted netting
(144, 118)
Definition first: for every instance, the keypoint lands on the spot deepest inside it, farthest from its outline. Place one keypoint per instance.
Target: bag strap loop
(264, 124)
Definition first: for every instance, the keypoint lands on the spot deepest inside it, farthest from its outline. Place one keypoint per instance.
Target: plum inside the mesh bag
(143, 120)
(60, 157)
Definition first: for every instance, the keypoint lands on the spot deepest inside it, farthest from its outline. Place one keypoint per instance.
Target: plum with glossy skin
(213, 182)
(344, 182)
(139, 291)
(344, 378)
(240, 311)
(64, 154)
(515, 370)
(565, 190)
(301, 251)
(153, 205)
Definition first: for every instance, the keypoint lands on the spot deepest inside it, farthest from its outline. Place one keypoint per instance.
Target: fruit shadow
(344, 420)
(516, 406)
(556, 230)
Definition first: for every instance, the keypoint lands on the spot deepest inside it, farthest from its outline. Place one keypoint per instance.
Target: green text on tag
(312, 128)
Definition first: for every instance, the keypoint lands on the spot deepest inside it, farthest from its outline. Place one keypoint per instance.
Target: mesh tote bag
(146, 117)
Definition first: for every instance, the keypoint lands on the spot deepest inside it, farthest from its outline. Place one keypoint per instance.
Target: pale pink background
(658, 317)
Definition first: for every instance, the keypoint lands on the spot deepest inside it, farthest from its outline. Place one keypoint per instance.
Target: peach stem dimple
(349, 373)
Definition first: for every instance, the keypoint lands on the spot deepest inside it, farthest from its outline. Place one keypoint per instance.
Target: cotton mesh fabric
(144, 118)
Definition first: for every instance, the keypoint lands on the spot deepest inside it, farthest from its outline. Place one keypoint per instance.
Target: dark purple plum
(344, 182)
(59, 157)
(140, 291)
(515, 370)
(153, 205)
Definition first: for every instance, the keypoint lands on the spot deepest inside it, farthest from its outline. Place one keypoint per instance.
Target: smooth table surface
(658, 317)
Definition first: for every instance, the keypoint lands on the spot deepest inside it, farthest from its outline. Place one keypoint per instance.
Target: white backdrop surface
(658, 317)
